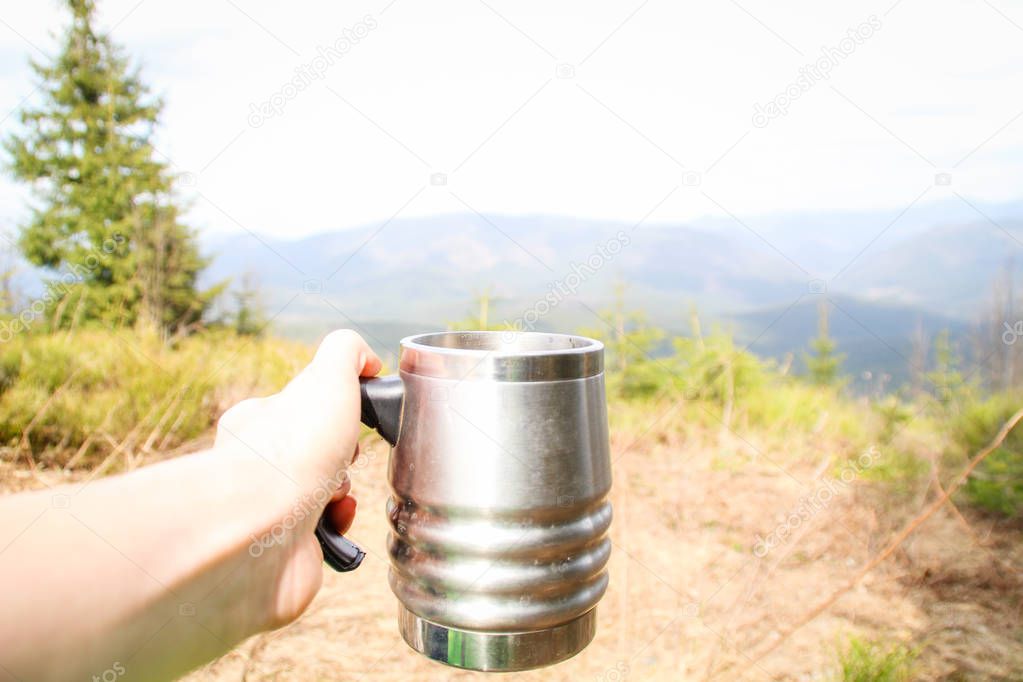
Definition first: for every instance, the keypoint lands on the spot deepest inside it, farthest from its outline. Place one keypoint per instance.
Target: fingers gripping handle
(381, 399)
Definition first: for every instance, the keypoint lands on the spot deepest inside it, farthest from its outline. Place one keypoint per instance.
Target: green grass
(896, 468)
(787, 404)
(863, 660)
(83, 393)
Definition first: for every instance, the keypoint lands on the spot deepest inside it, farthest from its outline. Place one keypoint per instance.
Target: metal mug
(499, 475)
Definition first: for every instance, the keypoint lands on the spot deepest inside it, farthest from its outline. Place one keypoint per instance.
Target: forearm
(157, 583)
(149, 574)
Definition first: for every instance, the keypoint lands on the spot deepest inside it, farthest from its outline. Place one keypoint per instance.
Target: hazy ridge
(886, 275)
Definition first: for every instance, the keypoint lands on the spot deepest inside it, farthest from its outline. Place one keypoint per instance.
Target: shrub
(894, 416)
(630, 344)
(715, 369)
(997, 483)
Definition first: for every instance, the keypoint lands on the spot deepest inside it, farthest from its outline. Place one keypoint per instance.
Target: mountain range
(887, 275)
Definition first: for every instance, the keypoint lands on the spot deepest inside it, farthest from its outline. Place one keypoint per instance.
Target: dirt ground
(694, 595)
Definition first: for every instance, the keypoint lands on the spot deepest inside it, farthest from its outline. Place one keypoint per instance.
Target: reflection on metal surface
(499, 512)
(502, 356)
(497, 651)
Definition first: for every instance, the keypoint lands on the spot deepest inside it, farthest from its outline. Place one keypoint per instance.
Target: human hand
(309, 432)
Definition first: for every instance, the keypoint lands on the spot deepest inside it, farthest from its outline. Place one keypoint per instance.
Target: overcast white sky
(660, 95)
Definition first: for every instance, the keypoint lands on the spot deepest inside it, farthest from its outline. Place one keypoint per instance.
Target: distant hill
(939, 256)
(877, 339)
(429, 269)
(947, 270)
(931, 269)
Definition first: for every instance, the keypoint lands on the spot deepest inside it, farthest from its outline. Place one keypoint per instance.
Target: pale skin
(149, 574)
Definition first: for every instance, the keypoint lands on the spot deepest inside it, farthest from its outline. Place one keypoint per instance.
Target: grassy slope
(78, 397)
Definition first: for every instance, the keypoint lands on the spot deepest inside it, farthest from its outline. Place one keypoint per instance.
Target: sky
(288, 119)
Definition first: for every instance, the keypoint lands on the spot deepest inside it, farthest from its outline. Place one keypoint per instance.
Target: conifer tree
(824, 363)
(105, 217)
(249, 315)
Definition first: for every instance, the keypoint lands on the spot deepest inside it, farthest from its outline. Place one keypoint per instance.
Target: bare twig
(172, 431)
(124, 445)
(155, 433)
(115, 449)
(84, 448)
(936, 482)
(76, 317)
(893, 545)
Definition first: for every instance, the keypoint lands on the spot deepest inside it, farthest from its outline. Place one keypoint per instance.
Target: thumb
(342, 356)
(321, 405)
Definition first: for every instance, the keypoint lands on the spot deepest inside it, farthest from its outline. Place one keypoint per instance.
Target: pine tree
(714, 369)
(630, 343)
(483, 320)
(951, 389)
(824, 363)
(8, 271)
(105, 218)
(249, 315)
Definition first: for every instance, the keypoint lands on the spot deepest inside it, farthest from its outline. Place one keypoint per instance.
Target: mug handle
(381, 399)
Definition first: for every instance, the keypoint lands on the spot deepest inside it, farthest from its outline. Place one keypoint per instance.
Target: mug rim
(502, 355)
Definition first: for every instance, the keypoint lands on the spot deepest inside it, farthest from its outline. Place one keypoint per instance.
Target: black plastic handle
(382, 399)
(339, 552)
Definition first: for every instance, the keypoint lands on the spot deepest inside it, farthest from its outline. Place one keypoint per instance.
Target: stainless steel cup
(499, 474)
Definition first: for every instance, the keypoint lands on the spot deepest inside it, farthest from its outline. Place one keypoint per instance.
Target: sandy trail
(689, 597)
